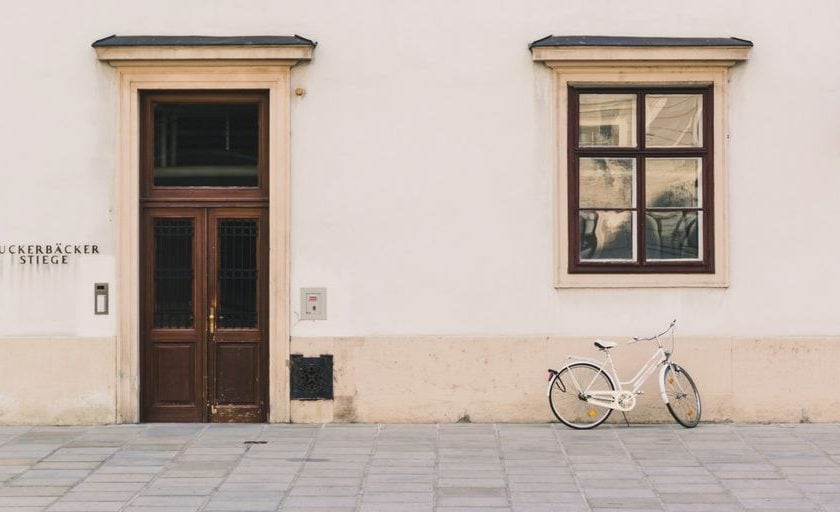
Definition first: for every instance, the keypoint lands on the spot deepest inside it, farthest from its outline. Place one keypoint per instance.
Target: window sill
(717, 280)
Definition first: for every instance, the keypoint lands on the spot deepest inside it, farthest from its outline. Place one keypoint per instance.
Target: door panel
(237, 363)
(174, 373)
(203, 261)
(237, 285)
(171, 313)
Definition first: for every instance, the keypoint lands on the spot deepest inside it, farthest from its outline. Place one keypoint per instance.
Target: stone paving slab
(406, 468)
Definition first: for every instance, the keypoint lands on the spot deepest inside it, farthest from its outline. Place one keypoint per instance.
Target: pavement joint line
(780, 470)
(555, 429)
(639, 466)
(501, 453)
(92, 471)
(4, 443)
(436, 480)
(7, 441)
(726, 490)
(309, 449)
(232, 467)
(815, 447)
(29, 468)
(154, 479)
(366, 469)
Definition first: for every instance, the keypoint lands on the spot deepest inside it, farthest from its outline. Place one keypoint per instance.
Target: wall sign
(46, 254)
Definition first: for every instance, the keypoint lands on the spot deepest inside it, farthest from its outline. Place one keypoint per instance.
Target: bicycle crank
(625, 401)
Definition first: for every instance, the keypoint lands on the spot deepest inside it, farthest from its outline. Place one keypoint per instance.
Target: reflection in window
(673, 235)
(673, 182)
(607, 182)
(607, 120)
(673, 120)
(606, 235)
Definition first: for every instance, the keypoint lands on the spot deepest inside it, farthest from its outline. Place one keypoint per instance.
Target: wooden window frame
(150, 192)
(641, 265)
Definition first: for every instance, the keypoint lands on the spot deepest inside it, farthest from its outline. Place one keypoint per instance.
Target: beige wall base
(448, 379)
(68, 381)
(64, 381)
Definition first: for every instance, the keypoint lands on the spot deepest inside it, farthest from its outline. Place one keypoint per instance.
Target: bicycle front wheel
(568, 395)
(683, 398)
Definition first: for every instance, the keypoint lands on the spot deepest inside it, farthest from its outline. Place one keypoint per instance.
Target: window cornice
(168, 50)
(577, 51)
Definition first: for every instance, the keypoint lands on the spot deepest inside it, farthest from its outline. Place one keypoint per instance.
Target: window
(640, 180)
(640, 140)
(209, 144)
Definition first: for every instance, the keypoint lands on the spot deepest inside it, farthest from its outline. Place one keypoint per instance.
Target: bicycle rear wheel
(568, 402)
(683, 398)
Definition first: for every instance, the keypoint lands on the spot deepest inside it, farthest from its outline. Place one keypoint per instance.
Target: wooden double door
(204, 305)
(204, 256)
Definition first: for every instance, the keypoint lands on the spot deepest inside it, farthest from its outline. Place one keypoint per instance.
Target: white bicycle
(584, 392)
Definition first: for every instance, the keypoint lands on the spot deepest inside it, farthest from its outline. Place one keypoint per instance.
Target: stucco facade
(421, 153)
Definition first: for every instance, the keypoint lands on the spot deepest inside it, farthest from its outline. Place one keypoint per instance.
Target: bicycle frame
(624, 397)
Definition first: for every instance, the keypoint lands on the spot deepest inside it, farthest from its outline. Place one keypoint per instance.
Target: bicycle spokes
(683, 399)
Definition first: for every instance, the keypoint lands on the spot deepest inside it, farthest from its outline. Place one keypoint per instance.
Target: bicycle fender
(572, 361)
(576, 359)
(662, 392)
(550, 383)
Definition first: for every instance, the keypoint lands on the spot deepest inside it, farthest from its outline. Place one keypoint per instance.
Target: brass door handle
(211, 320)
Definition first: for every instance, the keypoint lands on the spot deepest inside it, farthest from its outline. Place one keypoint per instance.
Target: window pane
(606, 235)
(237, 273)
(673, 235)
(173, 273)
(206, 145)
(607, 120)
(607, 182)
(673, 120)
(673, 182)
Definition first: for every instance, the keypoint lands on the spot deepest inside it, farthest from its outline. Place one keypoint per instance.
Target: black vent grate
(311, 377)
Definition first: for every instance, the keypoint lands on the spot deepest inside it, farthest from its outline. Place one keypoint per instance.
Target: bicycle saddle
(605, 345)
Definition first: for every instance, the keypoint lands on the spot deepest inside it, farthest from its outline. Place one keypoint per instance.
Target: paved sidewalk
(407, 468)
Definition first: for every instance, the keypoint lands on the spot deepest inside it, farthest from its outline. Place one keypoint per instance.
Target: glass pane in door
(237, 273)
(173, 273)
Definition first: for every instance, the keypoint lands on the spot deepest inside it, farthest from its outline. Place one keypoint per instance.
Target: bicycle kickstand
(625, 419)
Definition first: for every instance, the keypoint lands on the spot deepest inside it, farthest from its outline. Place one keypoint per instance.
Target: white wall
(422, 167)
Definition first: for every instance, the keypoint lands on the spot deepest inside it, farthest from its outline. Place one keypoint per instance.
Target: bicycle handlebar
(636, 340)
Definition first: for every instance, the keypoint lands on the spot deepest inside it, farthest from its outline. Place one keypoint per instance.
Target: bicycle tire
(566, 402)
(683, 397)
